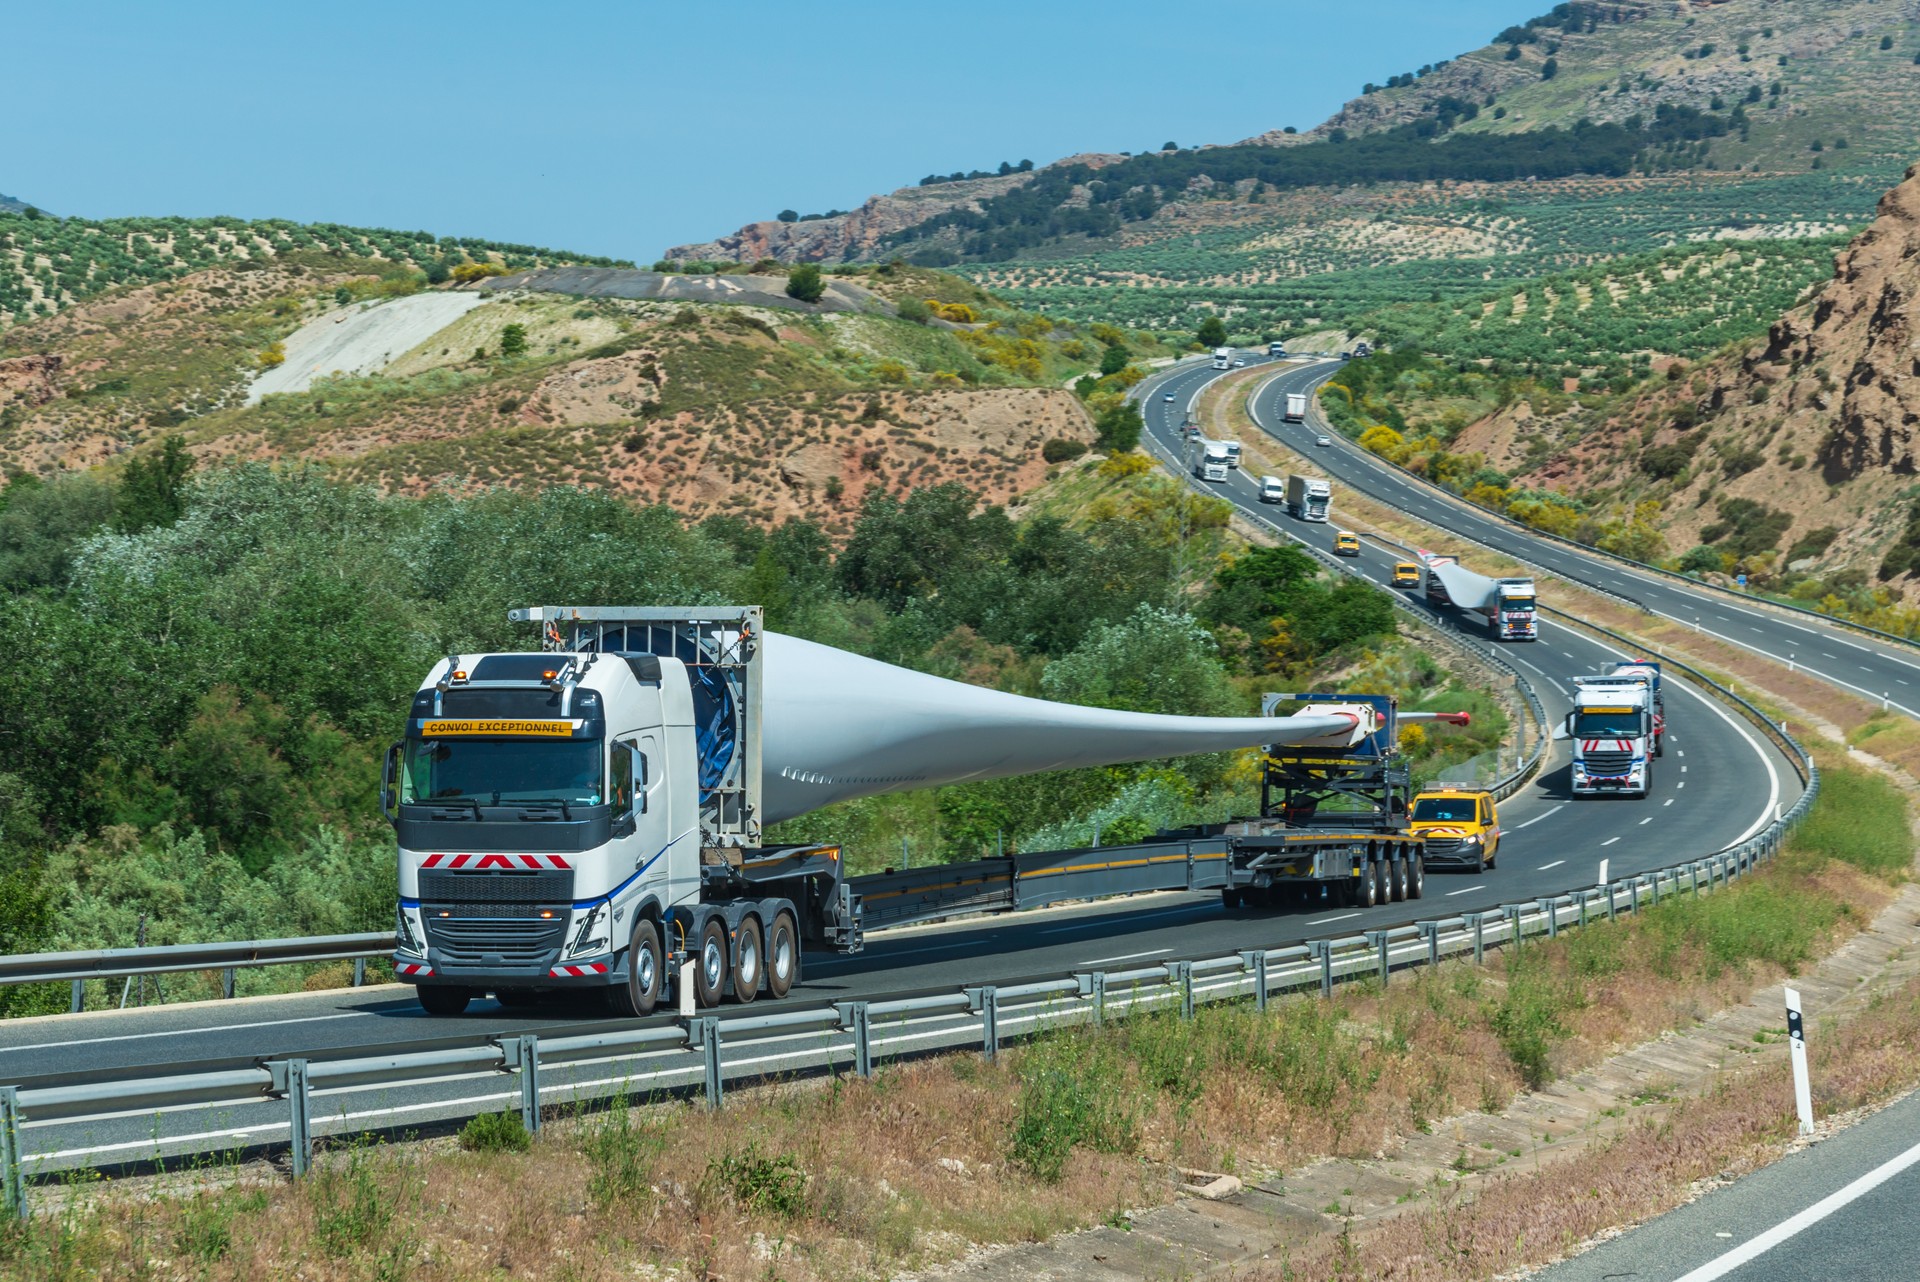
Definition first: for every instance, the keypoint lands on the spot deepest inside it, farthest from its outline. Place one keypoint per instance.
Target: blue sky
(622, 128)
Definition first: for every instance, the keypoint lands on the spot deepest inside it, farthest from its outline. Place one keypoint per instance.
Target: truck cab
(1346, 543)
(1611, 728)
(1514, 616)
(1233, 453)
(1223, 358)
(1460, 826)
(1212, 462)
(1406, 576)
(1276, 350)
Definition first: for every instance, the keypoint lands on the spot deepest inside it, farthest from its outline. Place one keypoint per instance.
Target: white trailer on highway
(1223, 358)
(1296, 407)
(1508, 605)
(1308, 498)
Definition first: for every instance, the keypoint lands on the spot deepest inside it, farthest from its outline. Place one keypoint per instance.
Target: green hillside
(48, 263)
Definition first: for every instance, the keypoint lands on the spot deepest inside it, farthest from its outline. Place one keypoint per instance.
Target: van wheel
(1416, 876)
(636, 998)
(1480, 861)
(443, 999)
(710, 963)
(783, 955)
(749, 961)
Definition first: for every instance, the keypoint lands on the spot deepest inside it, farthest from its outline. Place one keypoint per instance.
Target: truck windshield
(1607, 725)
(1457, 810)
(1516, 603)
(492, 771)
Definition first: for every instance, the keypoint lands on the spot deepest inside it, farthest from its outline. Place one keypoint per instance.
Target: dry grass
(850, 1178)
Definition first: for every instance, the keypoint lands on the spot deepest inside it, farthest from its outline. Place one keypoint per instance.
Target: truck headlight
(589, 933)
(408, 932)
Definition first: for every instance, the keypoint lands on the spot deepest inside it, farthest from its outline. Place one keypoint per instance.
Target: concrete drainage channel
(286, 1104)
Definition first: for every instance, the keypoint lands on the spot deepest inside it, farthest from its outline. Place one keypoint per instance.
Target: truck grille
(497, 886)
(1608, 763)
(496, 942)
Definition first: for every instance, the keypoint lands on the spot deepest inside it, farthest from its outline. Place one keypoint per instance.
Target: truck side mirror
(389, 774)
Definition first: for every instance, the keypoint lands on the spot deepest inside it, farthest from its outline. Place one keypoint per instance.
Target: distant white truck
(1296, 407)
(1233, 453)
(1223, 358)
(1211, 462)
(1308, 499)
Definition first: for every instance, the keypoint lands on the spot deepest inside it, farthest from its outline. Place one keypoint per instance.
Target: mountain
(13, 204)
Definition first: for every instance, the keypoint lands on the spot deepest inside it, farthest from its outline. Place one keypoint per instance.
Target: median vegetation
(865, 1178)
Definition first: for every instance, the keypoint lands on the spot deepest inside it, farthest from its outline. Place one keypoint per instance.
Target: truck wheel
(783, 955)
(1416, 877)
(443, 999)
(1383, 880)
(749, 958)
(637, 997)
(1230, 898)
(710, 963)
(1366, 887)
(1396, 870)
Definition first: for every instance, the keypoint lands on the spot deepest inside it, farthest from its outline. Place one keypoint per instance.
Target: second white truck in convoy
(1510, 605)
(1308, 499)
(1611, 728)
(1223, 358)
(1296, 411)
(1212, 460)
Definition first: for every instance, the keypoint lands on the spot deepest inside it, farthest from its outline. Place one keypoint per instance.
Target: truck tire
(1416, 877)
(783, 955)
(710, 963)
(1230, 898)
(1395, 871)
(645, 969)
(749, 960)
(1366, 888)
(1383, 880)
(443, 999)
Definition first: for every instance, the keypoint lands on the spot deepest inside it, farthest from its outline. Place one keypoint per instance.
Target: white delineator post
(686, 990)
(1797, 1051)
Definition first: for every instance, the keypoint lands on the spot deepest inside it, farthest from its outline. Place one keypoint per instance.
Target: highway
(1719, 782)
(1859, 664)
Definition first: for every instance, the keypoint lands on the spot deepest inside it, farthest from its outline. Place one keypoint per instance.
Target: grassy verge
(853, 1178)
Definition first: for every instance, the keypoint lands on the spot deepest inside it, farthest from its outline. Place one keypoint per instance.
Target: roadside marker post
(1797, 1051)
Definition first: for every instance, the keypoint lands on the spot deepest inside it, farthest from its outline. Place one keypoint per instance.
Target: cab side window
(623, 755)
(1486, 812)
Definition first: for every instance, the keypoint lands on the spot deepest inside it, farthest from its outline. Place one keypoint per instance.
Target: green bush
(1061, 449)
(1072, 1092)
(496, 1133)
(805, 283)
(762, 1184)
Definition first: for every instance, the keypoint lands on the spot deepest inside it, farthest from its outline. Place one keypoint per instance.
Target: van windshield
(1457, 810)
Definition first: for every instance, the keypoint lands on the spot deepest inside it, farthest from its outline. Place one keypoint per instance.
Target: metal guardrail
(703, 1054)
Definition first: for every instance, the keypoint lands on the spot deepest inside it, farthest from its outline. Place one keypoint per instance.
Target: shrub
(912, 309)
(1701, 559)
(805, 283)
(1665, 461)
(761, 1184)
(513, 340)
(273, 356)
(467, 273)
(1071, 1093)
(1061, 449)
(496, 1133)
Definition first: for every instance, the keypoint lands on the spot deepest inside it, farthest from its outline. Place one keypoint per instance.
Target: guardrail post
(1581, 899)
(704, 1031)
(289, 1077)
(1255, 960)
(854, 1018)
(1377, 940)
(79, 996)
(1321, 951)
(226, 982)
(1552, 910)
(986, 1000)
(1430, 931)
(1093, 986)
(1613, 910)
(1633, 896)
(359, 972)
(1693, 877)
(1479, 923)
(1654, 885)
(13, 1186)
(1512, 913)
(1181, 973)
(522, 1054)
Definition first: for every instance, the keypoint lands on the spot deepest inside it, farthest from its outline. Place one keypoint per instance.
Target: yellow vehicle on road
(1460, 826)
(1406, 574)
(1346, 543)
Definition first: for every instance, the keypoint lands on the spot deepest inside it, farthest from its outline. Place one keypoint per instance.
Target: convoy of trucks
(1308, 498)
(589, 816)
(1296, 407)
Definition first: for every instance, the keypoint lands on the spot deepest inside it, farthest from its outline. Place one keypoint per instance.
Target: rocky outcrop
(856, 235)
(29, 381)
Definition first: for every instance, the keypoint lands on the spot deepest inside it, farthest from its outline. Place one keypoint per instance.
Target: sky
(624, 128)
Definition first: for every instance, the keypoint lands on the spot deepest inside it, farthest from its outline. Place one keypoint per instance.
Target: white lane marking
(1537, 818)
(1736, 840)
(1321, 921)
(1830, 656)
(1683, 770)
(1467, 890)
(1667, 802)
(1694, 623)
(1609, 841)
(1677, 752)
(1518, 659)
(1794, 1224)
(1545, 867)
(1647, 820)
(1095, 961)
(179, 1032)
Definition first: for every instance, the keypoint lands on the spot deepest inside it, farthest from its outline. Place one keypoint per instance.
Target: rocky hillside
(1801, 448)
(13, 204)
(730, 408)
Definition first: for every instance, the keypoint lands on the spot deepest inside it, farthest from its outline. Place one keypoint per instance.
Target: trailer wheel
(783, 955)
(443, 999)
(1383, 879)
(710, 963)
(748, 960)
(1366, 887)
(1395, 871)
(1416, 877)
(1230, 898)
(637, 997)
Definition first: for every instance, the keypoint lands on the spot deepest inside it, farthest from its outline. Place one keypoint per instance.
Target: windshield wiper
(448, 802)
(545, 803)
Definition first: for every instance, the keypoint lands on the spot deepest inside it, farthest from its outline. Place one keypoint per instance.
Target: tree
(1213, 332)
(513, 340)
(1156, 660)
(1113, 360)
(1169, 146)
(805, 283)
(1550, 68)
(1120, 426)
(152, 492)
(789, 215)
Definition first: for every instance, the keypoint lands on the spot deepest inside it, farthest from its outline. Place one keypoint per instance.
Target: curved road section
(1872, 669)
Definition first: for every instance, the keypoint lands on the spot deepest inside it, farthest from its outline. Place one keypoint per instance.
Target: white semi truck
(1611, 729)
(1296, 407)
(1223, 358)
(1308, 499)
(1510, 605)
(1213, 461)
(590, 815)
